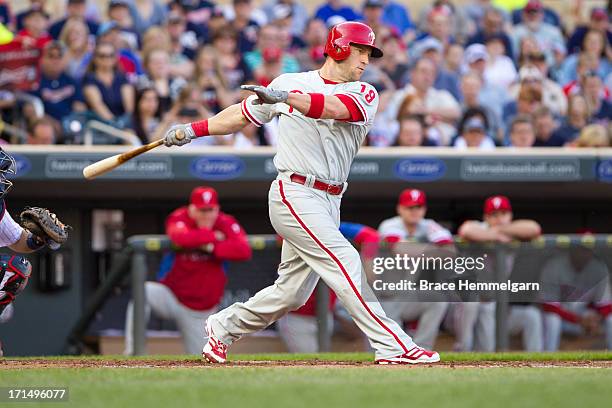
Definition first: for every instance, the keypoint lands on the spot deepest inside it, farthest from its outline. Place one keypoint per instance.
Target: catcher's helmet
(7, 166)
(341, 36)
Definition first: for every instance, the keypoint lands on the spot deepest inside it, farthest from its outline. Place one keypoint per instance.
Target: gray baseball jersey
(309, 219)
(426, 231)
(322, 148)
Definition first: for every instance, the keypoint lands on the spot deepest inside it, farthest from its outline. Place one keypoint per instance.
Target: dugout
(563, 189)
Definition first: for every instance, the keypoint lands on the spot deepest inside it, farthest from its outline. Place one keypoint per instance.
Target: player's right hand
(179, 135)
(266, 95)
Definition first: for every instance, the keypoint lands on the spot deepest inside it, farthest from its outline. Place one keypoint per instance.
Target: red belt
(333, 189)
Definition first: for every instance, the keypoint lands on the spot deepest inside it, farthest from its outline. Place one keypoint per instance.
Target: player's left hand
(45, 226)
(266, 95)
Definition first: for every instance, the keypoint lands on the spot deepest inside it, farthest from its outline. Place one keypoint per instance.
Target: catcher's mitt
(44, 224)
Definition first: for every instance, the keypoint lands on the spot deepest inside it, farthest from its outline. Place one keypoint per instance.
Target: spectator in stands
(594, 45)
(440, 105)
(439, 25)
(212, 81)
(336, 11)
(397, 16)
(299, 328)
(395, 64)
(577, 118)
(75, 36)
(432, 49)
(59, 93)
(410, 223)
(129, 62)
(200, 17)
(522, 133)
(493, 92)
(231, 65)
(453, 59)
(312, 55)
(472, 131)
(75, 10)
(283, 20)
(412, 130)
(119, 11)
(471, 91)
(35, 25)
(106, 89)
(147, 13)
(145, 121)
(299, 14)
(189, 107)
(492, 27)
(599, 106)
(586, 63)
(585, 308)
(183, 44)
(550, 15)
(457, 23)
(244, 25)
(534, 75)
(533, 25)
(599, 21)
(268, 40)
(193, 287)
(545, 128)
(500, 68)
(595, 135)
(157, 67)
(475, 321)
(529, 99)
(42, 132)
(156, 37)
(373, 16)
(34, 5)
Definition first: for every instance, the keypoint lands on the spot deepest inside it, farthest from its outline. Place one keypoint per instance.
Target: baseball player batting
(324, 117)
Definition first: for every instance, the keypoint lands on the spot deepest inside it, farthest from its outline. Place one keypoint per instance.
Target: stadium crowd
(479, 74)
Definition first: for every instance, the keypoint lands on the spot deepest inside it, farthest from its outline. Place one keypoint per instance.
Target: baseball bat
(105, 165)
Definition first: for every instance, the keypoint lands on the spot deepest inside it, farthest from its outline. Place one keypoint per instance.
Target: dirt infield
(19, 364)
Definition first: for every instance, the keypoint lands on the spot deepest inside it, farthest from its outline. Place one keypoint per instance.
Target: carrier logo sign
(217, 168)
(420, 169)
(604, 170)
(22, 166)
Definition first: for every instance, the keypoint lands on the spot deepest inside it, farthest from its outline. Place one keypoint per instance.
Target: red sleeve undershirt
(354, 112)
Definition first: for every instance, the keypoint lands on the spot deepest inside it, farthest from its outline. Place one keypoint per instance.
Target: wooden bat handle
(104, 166)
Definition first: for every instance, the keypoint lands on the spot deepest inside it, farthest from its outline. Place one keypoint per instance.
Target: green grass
(323, 387)
(361, 357)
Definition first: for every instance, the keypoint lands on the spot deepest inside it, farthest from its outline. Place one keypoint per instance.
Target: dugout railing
(133, 260)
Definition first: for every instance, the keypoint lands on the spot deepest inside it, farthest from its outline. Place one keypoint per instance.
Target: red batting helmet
(341, 36)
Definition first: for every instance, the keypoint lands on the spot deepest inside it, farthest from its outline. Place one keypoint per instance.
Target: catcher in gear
(39, 228)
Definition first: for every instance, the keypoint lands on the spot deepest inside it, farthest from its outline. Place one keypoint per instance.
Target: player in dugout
(474, 322)
(194, 285)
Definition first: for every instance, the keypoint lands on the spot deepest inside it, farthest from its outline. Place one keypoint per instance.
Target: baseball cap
(475, 52)
(118, 3)
(427, 44)
(373, 3)
(527, 73)
(497, 203)
(599, 13)
(204, 197)
(475, 123)
(533, 5)
(411, 197)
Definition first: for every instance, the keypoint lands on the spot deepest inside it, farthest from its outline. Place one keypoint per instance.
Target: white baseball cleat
(416, 355)
(214, 351)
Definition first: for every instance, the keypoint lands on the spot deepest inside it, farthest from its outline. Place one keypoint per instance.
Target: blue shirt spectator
(75, 9)
(334, 12)
(398, 16)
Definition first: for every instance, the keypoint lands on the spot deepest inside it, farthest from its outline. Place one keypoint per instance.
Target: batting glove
(184, 136)
(266, 95)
